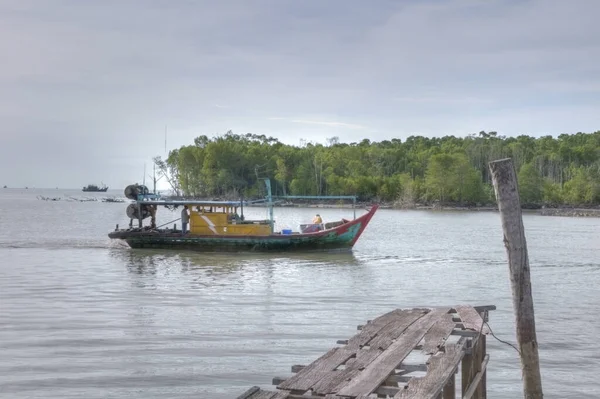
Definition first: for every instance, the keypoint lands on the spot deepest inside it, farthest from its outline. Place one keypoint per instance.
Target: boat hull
(342, 237)
(99, 190)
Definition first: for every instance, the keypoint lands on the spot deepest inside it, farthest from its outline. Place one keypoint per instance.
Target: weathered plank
(387, 390)
(331, 382)
(392, 330)
(465, 333)
(409, 368)
(482, 355)
(450, 388)
(278, 380)
(438, 334)
(281, 395)
(482, 308)
(263, 395)
(315, 371)
(471, 319)
(297, 367)
(379, 369)
(298, 396)
(371, 329)
(249, 393)
(441, 369)
(479, 308)
(257, 393)
(477, 379)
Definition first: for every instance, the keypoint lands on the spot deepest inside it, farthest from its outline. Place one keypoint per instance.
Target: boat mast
(269, 202)
(269, 196)
(242, 207)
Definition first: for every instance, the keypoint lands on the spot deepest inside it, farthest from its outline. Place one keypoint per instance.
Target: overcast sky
(87, 87)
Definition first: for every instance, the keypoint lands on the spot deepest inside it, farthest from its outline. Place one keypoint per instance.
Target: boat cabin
(216, 218)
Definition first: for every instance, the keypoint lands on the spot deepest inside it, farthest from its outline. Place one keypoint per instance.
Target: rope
(498, 339)
(168, 223)
(472, 364)
(485, 316)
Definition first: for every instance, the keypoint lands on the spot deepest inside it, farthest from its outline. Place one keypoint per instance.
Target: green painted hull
(217, 244)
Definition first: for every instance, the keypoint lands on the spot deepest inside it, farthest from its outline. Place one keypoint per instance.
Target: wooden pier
(406, 353)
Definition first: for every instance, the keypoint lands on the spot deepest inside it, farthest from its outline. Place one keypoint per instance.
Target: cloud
(569, 86)
(332, 124)
(449, 99)
(86, 83)
(320, 123)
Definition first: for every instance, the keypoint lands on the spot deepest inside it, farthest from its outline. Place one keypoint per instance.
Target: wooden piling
(507, 194)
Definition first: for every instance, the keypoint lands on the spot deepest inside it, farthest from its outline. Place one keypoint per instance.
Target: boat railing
(265, 221)
(331, 225)
(311, 227)
(148, 197)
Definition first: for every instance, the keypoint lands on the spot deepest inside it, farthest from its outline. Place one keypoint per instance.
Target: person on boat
(152, 210)
(185, 219)
(317, 219)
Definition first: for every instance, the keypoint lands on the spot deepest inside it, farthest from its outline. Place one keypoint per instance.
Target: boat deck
(406, 353)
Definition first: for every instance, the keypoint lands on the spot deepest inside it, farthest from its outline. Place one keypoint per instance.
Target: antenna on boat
(269, 196)
(242, 206)
(153, 177)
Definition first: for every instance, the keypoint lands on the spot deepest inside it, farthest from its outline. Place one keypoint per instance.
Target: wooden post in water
(507, 194)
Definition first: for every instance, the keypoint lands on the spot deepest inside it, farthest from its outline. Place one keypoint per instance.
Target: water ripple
(81, 316)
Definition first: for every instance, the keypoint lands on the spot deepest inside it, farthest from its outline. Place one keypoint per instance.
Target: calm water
(83, 317)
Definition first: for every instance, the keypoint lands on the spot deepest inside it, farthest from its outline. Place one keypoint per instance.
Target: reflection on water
(148, 261)
(210, 271)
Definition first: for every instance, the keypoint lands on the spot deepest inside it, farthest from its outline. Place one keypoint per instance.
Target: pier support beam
(507, 194)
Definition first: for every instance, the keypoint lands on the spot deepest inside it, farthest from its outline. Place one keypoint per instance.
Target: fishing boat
(216, 226)
(95, 189)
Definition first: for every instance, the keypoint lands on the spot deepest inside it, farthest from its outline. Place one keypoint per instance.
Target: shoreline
(558, 211)
(565, 210)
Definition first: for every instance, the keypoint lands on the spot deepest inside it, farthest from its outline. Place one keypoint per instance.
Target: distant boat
(95, 188)
(5, 187)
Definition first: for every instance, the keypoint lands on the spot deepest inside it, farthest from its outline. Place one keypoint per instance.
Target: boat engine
(132, 211)
(133, 190)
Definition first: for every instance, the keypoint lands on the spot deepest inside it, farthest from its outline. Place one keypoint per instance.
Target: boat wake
(59, 244)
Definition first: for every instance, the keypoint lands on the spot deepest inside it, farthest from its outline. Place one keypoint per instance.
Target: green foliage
(552, 193)
(551, 171)
(583, 188)
(530, 184)
(450, 177)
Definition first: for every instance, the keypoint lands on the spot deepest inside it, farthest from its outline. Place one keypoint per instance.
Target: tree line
(449, 170)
